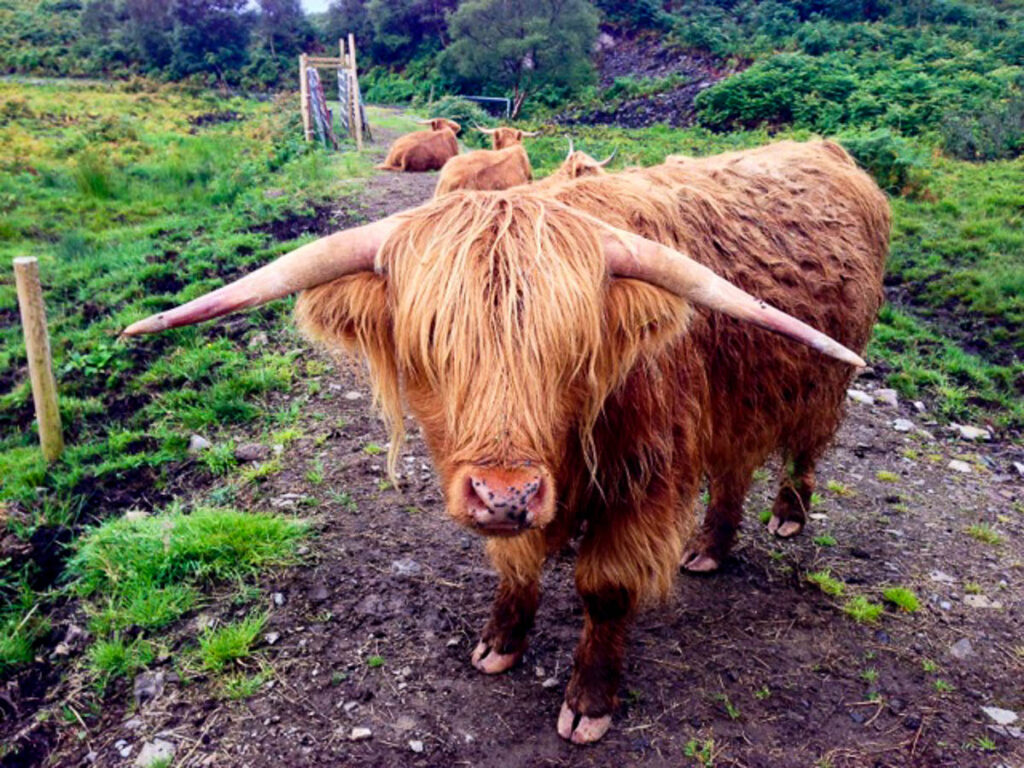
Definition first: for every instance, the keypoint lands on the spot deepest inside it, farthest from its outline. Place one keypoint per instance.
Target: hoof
(580, 729)
(784, 529)
(697, 562)
(490, 662)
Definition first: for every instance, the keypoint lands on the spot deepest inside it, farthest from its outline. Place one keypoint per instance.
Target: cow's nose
(500, 503)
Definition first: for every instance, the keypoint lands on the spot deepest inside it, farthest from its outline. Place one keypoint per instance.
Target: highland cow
(575, 166)
(581, 357)
(506, 165)
(424, 150)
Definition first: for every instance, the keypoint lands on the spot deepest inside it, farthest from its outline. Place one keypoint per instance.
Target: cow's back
(796, 225)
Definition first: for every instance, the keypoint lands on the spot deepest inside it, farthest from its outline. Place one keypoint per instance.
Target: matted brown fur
(486, 169)
(423, 150)
(498, 322)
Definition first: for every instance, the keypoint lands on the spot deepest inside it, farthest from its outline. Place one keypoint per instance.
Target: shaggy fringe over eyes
(498, 307)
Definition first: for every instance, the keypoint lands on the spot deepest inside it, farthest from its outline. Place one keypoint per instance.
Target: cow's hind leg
(793, 502)
(722, 520)
(504, 639)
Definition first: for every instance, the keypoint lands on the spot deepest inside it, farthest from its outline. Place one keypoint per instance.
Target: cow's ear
(350, 314)
(640, 320)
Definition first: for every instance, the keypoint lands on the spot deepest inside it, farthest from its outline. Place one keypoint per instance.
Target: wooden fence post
(304, 98)
(357, 109)
(37, 347)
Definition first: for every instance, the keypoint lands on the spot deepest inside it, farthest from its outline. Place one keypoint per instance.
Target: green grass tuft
(862, 610)
(221, 646)
(902, 598)
(826, 583)
(985, 533)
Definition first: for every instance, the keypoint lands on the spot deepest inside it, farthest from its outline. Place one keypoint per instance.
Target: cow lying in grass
(424, 150)
(581, 358)
(504, 166)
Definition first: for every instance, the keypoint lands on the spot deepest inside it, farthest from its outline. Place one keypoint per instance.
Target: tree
(404, 28)
(522, 45)
(209, 34)
(283, 27)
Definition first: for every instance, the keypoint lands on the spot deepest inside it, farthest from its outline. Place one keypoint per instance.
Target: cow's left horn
(488, 131)
(630, 255)
(323, 260)
(608, 159)
(570, 149)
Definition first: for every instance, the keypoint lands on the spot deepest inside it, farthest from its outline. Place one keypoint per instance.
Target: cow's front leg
(504, 639)
(591, 695)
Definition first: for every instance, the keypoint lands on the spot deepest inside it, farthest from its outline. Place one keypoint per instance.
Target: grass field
(135, 200)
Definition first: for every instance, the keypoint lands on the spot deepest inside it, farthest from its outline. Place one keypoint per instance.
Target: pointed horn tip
(151, 324)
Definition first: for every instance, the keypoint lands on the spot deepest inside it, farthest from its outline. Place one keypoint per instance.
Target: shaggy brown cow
(424, 150)
(507, 165)
(575, 166)
(576, 375)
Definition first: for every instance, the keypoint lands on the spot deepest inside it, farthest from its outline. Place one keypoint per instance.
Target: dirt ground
(749, 667)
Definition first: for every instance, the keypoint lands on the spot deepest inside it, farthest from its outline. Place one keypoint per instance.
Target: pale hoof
(698, 562)
(490, 662)
(580, 729)
(784, 529)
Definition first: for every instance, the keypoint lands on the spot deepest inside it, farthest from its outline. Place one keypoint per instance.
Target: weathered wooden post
(304, 98)
(37, 347)
(356, 98)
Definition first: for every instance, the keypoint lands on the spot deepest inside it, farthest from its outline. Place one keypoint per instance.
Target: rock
(959, 466)
(278, 598)
(124, 749)
(1019, 466)
(903, 425)
(943, 577)
(887, 397)
(353, 395)
(406, 567)
(198, 444)
(859, 396)
(452, 642)
(405, 723)
(981, 601)
(1001, 716)
(271, 637)
(75, 640)
(961, 649)
(551, 682)
(971, 433)
(360, 734)
(318, 593)
(416, 746)
(155, 751)
(919, 406)
(258, 340)
(252, 452)
(148, 686)
(945, 605)
(348, 706)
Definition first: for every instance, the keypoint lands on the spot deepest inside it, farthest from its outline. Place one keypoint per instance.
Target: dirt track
(753, 660)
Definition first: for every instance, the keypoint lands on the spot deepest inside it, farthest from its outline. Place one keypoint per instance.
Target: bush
(467, 114)
(895, 164)
(990, 134)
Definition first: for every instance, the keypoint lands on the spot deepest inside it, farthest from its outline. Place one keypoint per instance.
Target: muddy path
(750, 667)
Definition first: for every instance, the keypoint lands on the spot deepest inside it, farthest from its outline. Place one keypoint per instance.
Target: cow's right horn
(488, 131)
(323, 260)
(633, 256)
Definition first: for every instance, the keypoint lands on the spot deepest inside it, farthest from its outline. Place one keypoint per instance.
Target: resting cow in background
(507, 165)
(424, 150)
(575, 166)
(579, 360)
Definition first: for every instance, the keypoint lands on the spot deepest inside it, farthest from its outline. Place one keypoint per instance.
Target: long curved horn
(608, 159)
(531, 134)
(570, 149)
(488, 131)
(424, 122)
(630, 255)
(323, 260)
